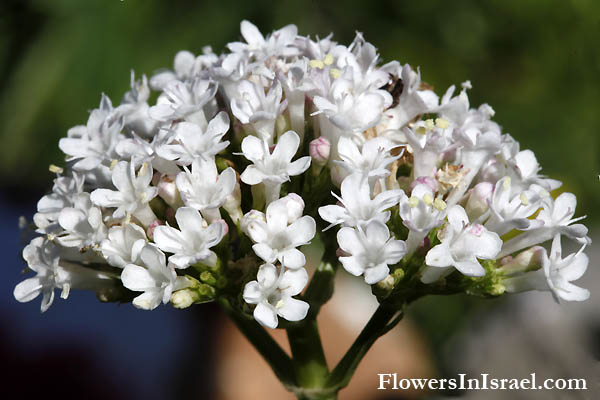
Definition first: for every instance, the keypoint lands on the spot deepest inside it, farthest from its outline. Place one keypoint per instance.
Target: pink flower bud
(167, 190)
(152, 226)
(319, 150)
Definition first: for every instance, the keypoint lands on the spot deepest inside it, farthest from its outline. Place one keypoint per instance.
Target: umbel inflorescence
(206, 182)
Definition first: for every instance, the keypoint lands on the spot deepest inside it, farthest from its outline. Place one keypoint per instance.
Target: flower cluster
(212, 191)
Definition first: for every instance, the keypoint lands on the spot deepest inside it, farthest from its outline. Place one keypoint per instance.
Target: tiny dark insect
(395, 87)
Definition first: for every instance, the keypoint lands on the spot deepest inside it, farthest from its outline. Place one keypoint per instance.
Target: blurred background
(536, 62)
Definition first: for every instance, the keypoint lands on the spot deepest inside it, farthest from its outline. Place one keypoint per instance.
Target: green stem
(309, 361)
(278, 360)
(384, 319)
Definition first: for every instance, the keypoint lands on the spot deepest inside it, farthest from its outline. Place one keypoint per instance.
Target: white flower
(279, 43)
(123, 245)
(156, 279)
(462, 244)
(64, 192)
(557, 217)
(372, 160)
(276, 240)
(272, 169)
(190, 141)
(352, 111)
(82, 224)
(43, 257)
(184, 100)
(133, 192)
(357, 206)
(428, 141)
(190, 243)
(371, 251)
(272, 293)
(204, 188)
(92, 147)
(556, 274)
(134, 108)
(512, 212)
(253, 106)
(184, 68)
(420, 213)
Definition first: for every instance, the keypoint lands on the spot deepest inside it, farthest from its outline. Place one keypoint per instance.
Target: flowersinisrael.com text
(391, 381)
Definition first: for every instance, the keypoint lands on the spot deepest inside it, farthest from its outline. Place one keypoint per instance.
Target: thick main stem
(309, 361)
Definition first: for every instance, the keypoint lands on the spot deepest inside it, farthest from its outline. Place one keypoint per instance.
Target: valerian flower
(272, 169)
(462, 245)
(133, 192)
(276, 240)
(191, 243)
(190, 141)
(357, 207)
(204, 188)
(153, 277)
(272, 293)
(123, 244)
(371, 251)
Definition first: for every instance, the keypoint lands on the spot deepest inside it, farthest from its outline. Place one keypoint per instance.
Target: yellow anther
(316, 64)
(55, 169)
(441, 123)
(113, 163)
(421, 130)
(439, 204)
(524, 199)
(428, 199)
(143, 169)
(279, 304)
(413, 201)
(429, 124)
(544, 193)
(335, 73)
(506, 184)
(328, 60)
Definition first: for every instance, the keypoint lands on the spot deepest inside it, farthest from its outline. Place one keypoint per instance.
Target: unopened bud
(478, 202)
(528, 260)
(294, 205)
(167, 190)
(151, 227)
(233, 202)
(319, 149)
(249, 219)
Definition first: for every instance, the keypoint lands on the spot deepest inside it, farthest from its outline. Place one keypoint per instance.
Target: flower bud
(528, 260)
(249, 218)
(319, 150)
(478, 202)
(167, 190)
(233, 202)
(151, 227)
(295, 206)
(425, 180)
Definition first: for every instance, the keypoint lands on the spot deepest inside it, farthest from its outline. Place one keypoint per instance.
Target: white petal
(348, 241)
(286, 147)
(251, 33)
(292, 258)
(28, 290)
(469, 267)
(302, 230)
(457, 217)
(376, 274)
(299, 166)
(576, 268)
(352, 265)
(293, 309)
(265, 315)
(252, 175)
(252, 293)
(137, 278)
(293, 281)
(148, 300)
(267, 276)
(169, 239)
(439, 256)
(253, 148)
